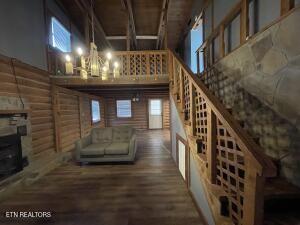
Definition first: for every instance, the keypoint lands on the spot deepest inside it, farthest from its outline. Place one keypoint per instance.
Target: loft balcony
(147, 68)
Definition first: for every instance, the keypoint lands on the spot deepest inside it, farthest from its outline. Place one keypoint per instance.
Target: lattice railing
(234, 163)
(132, 65)
(142, 64)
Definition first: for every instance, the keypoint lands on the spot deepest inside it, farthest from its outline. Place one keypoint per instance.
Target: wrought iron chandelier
(94, 64)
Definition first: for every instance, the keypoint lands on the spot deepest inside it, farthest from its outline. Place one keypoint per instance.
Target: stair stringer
(212, 192)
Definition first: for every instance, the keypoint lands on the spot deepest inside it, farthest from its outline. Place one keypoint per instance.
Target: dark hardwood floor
(150, 192)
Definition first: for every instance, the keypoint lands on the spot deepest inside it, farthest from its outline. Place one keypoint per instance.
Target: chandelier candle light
(94, 65)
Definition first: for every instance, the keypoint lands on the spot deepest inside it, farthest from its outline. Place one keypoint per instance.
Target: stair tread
(280, 188)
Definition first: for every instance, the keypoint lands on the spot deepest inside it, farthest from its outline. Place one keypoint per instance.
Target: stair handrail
(245, 205)
(266, 164)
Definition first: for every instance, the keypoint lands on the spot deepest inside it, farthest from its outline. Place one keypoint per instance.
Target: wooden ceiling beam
(162, 24)
(86, 8)
(128, 6)
(138, 37)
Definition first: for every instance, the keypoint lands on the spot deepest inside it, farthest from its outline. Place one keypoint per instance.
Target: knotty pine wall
(74, 116)
(58, 116)
(139, 118)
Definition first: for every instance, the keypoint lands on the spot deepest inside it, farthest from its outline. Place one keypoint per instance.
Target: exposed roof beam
(138, 37)
(162, 24)
(128, 6)
(86, 8)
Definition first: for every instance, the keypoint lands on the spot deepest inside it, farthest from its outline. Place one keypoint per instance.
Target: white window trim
(95, 121)
(117, 109)
(53, 43)
(161, 107)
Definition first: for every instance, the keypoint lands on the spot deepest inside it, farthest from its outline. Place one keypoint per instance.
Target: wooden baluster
(211, 145)
(254, 195)
(192, 107)
(175, 77)
(244, 26)
(181, 78)
(222, 43)
(161, 64)
(170, 70)
(128, 64)
(148, 64)
(198, 62)
(286, 6)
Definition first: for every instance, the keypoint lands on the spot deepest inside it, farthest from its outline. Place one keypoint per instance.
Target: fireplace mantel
(17, 111)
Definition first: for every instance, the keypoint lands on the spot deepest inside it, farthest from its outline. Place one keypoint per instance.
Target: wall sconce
(136, 97)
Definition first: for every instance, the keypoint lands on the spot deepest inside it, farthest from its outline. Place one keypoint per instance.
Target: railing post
(244, 26)
(254, 195)
(148, 64)
(175, 75)
(222, 43)
(211, 145)
(170, 68)
(128, 64)
(181, 88)
(286, 6)
(192, 107)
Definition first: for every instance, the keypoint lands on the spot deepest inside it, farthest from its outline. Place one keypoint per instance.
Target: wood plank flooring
(150, 192)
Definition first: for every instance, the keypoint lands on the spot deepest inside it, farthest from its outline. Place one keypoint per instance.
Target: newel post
(170, 68)
(211, 145)
(254, 195)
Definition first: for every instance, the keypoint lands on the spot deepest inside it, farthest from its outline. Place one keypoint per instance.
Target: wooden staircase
(241, 182)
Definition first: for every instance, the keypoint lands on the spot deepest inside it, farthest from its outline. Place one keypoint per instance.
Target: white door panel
(181, 158)
(155, 114)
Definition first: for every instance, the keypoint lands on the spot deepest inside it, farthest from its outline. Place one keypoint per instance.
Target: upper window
(196, 42)
(60, 37)
(124, 108)
(96, 117)
(155, 108)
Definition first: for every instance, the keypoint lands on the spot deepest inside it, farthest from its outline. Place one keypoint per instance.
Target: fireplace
(10, 155)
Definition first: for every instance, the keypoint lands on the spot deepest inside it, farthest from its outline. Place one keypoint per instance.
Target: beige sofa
(111, 144)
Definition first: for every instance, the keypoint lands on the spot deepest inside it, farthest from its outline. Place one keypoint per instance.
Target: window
(95, 111)
(232, 34)
(60, 37)
(155, 108)
(262, 13)
(123, 108)
(196, 42)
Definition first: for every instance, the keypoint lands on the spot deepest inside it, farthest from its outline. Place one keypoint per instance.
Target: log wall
(139, 119)
(58, 116)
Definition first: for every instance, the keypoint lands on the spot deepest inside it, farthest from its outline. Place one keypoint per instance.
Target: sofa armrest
(82, 143)
(132, 145)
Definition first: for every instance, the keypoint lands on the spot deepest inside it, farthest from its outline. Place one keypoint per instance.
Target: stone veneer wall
(260, 81)
(10, 122)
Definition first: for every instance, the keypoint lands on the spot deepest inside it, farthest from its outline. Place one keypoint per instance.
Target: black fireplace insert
(10, 155)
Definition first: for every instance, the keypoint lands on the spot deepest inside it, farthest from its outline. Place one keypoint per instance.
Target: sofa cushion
(117, 148)
(122, 134)
(94, 149)
(101, 135)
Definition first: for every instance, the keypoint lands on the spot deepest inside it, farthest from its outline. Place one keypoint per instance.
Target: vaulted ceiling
(145, 19)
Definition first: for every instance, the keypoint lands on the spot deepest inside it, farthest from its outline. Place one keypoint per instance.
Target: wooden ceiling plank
(85, 8)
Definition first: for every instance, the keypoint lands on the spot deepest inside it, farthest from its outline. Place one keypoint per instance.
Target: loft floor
(150, 192)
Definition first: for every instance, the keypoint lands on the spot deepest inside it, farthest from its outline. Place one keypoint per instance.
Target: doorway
(182, 157)
(155, 114)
